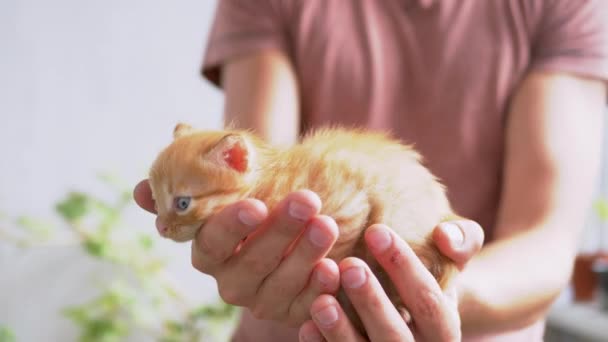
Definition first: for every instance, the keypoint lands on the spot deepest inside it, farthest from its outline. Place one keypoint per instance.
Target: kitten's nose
(160, 226)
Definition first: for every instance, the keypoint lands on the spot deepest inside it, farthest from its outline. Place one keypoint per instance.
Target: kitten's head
(197, 174)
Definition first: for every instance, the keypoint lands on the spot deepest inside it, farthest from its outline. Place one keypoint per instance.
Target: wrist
(470, 308)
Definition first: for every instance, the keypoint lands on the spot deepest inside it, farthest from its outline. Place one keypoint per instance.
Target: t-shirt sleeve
(573, 37)
(242, 27)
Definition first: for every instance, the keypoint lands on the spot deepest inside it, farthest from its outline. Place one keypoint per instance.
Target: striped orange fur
(362, 178)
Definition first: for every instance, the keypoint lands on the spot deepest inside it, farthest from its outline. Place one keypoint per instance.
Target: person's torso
(437, 74)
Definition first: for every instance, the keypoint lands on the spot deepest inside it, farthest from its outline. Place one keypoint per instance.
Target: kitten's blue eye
(182, 203)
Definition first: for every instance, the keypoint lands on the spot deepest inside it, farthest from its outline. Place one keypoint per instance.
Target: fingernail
(327, 316)
(300, 211)
(379, 239)
(353, 278)
(247, 218)
(454, 233)
(318, 237)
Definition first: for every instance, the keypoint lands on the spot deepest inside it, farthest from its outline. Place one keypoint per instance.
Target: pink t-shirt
(435, 73)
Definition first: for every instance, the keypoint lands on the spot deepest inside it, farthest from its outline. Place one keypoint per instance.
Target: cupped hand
(432, 313)
(269, 262)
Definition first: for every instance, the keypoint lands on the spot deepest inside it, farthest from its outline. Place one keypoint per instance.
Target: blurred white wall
(89, 86)
(95, 85)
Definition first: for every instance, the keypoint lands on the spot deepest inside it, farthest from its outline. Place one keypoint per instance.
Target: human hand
(279, 270)
(433, 314)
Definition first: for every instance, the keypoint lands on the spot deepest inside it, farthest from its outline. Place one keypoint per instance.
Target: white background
(87, 87)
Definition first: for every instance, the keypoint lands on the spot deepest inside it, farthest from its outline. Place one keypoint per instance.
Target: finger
(381, 319)
(143, 196)
(217, 240)
(325, 279)
(332, 322)
(451, 295)
(310, 333)
(459, 240)
(282, 286)
(434, 318)
(242, 275)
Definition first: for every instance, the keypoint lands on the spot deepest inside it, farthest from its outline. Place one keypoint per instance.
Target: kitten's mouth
(180, 233)
(161, 226)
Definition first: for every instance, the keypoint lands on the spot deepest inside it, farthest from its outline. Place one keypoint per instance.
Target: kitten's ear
(232, 151)
(182, 129)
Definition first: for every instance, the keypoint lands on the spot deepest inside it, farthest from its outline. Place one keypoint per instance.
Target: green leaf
(74, 207)
(96, 248)
(106, 330)
(6, 334)
(77, 314)
(145, 241)
(103, 208)
(219, 311)
(174, 327)
(601, 208)
(35, 226)
(105, 318)
(127, 196)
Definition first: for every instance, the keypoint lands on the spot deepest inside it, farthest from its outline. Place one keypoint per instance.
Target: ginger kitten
(362, 178)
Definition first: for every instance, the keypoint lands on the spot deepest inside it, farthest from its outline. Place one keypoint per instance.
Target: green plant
(140, 294)
(601, 208)
(6, 335)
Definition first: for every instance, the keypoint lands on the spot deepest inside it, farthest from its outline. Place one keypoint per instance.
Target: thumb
(459, 240)
(143, 196)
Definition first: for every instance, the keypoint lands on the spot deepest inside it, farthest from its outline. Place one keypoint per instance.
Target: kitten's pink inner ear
(231, 151)
(235, 156)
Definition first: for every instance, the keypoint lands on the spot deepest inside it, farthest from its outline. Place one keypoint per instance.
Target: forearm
(512, 282)
(552, 151)
(261, 94)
